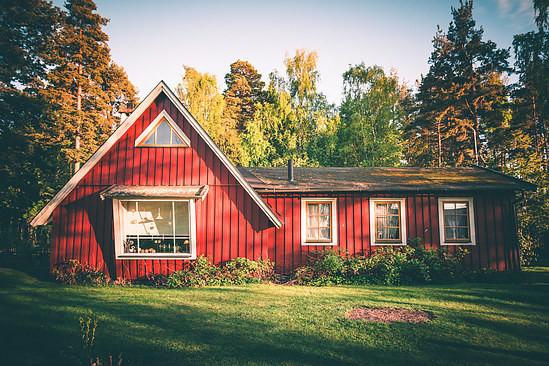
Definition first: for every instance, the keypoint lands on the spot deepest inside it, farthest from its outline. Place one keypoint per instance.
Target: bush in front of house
(386, 266)
(72, 272)
(238, 271)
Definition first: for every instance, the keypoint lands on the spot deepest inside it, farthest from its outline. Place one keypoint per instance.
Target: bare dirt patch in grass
(389, 315)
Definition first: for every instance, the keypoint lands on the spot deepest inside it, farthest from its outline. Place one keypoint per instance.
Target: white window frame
(119, 233)
(304, 202)
(403, 233)
(162, 116)
(472, 236)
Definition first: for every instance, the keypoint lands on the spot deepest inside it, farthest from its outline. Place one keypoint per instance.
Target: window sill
(318, 243)
(389, 244)
(155, 256)
(458, 243)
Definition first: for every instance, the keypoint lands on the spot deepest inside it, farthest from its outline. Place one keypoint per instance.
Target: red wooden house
(159, 192)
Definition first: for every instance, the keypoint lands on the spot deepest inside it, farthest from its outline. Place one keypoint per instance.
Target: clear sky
(153, 39)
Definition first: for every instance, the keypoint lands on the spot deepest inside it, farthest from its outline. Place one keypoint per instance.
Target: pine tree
(244, 91)
(527, 145)
(75, 83)
(28, 149)
(460, 98)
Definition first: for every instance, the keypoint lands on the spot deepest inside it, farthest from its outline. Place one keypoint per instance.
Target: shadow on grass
(173, 336)
(235, 325)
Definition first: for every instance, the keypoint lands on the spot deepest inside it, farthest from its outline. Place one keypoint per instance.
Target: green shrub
(385, 266)
(202, 272)
(72, 272)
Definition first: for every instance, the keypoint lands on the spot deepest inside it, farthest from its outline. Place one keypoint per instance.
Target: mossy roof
(330, 179)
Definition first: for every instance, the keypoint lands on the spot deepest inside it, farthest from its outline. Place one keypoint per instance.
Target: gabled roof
(382, 180)
(44, 215)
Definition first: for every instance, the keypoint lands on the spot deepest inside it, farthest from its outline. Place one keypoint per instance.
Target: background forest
(61, 96)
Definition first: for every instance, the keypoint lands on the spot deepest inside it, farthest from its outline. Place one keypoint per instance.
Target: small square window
(318, 221)
(387, 222)
(456, 220)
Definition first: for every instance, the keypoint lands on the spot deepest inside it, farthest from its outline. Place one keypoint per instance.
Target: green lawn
(271, 324)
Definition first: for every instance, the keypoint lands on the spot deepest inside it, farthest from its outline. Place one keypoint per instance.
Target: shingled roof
(381, 179)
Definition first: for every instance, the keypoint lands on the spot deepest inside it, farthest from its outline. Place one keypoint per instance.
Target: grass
(267, 324)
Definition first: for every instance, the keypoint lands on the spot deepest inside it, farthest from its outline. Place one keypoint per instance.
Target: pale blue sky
(153, 39)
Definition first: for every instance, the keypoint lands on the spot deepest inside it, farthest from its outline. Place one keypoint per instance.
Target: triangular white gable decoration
(166, 125)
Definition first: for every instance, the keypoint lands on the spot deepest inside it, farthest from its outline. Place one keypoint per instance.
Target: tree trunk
(78, 110)
(439, 145)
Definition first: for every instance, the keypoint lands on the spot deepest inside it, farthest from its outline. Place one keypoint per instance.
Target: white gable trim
(224, 159)
(45, 213)
(154, 124)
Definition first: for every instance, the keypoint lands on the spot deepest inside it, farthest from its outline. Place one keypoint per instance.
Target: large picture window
(387, 222)
(318, 220)
(156, 228)
(456, 220)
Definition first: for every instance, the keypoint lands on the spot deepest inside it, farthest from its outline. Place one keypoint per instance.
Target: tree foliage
(200, 94)
(57, 85)
(460, 98)
(84, 82)
(371, 117)
(295, 121)
(244, 91)
(529, 132)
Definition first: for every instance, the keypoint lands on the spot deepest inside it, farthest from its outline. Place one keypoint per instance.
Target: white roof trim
(154, 124)
(224, 159)
(45, 213)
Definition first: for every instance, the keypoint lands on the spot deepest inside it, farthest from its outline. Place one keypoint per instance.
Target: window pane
(449, 220)
(394, 234)
(461, 208)
(312, 234)
(130, 245)
(182, 245)
(381, 209)
(149, 227)
(312, 221)
(381, 222)
(325, 234)
(394, 208)
(163, 134)
(176, 140)
(382, 233)
(450, 233)
(461, 220)
(156, 217)
(449, 207)
(181, 218)
(462, 233)
(149, 140)
(394, 221)
(324, 221)
(324, 208)
(135, 222)
(313, 208)
(146, 244)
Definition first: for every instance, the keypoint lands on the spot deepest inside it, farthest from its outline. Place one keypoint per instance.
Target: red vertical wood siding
(495, 241)
(83, 223)
(229, 224)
